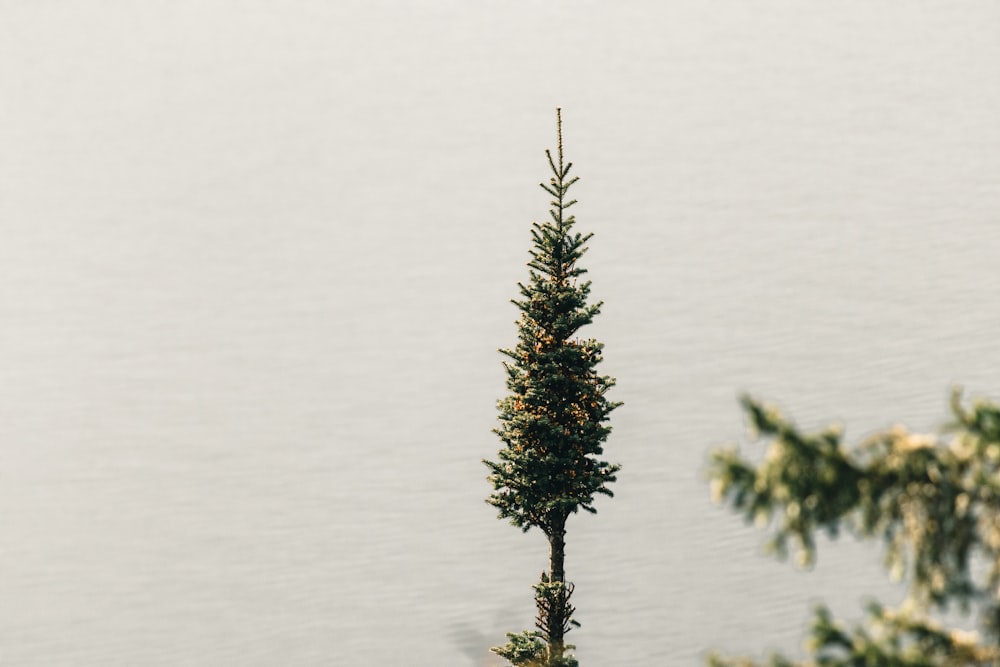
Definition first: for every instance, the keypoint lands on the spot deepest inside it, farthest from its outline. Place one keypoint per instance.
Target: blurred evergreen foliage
(933, 499)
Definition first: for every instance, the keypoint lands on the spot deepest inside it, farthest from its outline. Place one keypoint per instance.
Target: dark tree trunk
(557, 573)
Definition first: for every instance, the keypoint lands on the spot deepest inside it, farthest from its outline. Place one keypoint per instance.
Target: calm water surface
(256, 262)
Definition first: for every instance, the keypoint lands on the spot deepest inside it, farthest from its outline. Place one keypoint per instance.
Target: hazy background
(256, 260)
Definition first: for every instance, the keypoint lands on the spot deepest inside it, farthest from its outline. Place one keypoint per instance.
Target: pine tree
(553, 421)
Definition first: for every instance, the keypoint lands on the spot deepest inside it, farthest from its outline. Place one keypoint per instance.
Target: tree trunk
(557, 573)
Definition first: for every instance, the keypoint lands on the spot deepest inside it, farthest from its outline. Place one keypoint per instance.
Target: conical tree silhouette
(553, 421)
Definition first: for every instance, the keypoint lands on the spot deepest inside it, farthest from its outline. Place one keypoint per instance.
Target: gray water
(256, 260)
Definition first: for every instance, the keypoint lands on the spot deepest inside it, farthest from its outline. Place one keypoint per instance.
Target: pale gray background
(255, 263)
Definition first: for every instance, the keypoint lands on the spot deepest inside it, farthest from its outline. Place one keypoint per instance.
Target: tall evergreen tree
(553, 421)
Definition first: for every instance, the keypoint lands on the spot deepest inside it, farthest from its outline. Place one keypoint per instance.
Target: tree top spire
(559, 135)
